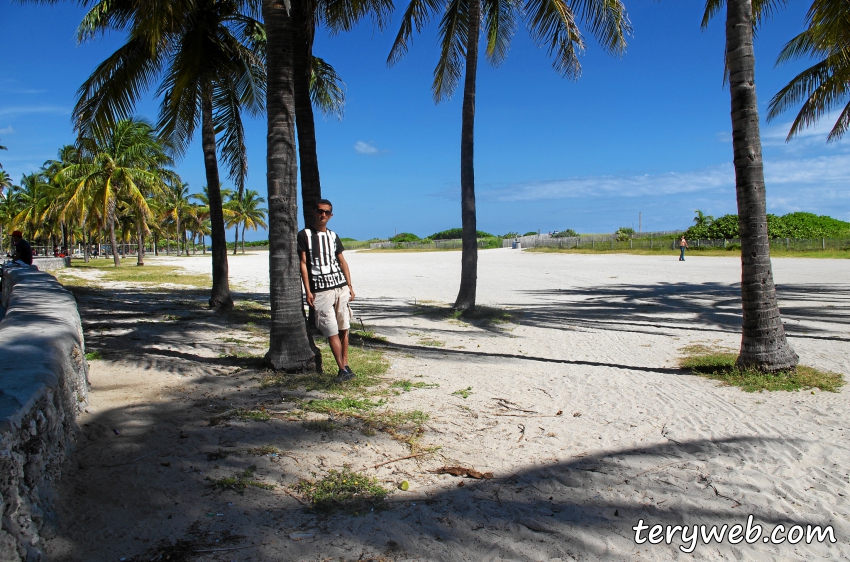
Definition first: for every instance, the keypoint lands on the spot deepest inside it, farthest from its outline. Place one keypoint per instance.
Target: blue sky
(646, 133)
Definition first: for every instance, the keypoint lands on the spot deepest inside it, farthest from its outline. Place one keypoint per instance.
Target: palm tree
(823, 86)
(247, 213)
(551, 23)
(5, 181)
(289, 346)
(126, 163)
(177, 208)
(209, 76)
(763, 343)
(2, 148)
(702, 219)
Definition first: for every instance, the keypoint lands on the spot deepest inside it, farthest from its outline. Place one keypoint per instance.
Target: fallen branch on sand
(463, 471)
(508, 405)
(401, 459)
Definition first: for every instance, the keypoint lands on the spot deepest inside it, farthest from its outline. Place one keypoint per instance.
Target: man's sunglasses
(323, 212)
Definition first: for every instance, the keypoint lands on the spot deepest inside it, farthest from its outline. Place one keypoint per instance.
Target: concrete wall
(43, 386)
(45, 264)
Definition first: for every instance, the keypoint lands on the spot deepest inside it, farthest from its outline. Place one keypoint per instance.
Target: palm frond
(453, 34)
(551, 24)
(500, 23)
(416, 16)
(327, 90)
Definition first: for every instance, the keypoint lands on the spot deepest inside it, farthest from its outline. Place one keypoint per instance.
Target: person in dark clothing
(23, 250)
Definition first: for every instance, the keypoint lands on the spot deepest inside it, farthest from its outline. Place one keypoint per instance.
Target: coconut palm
(247, 213)
(177, 208)
(763, 342)
(209, 75)
(551, 23)
(825, 85)
(701, 219)
(289, 346)
(127, 162)
(5, 181)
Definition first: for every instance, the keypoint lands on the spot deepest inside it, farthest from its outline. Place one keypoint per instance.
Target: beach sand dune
(575, 402)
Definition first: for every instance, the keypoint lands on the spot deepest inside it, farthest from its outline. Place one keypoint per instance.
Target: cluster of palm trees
(116, 187)
(211, 60)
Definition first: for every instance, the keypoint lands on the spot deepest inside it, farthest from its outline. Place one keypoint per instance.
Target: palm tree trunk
(469, 255)
(763, 343)
(235, 239)
(289, 345)
(114, 243)
(302, 49)
(243, 237)
(140, 258)
(86, 243)
(220, 297)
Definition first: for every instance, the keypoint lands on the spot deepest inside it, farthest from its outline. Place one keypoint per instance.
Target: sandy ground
(577, 407)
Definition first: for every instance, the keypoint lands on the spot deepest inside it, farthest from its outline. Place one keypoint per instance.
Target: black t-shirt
(322, 249)
(23, 252)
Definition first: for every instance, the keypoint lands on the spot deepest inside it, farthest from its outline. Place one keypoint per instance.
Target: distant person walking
(22, 251)
(327, 284)
(682, 245)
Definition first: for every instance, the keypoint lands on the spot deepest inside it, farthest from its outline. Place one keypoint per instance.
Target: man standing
(22, 249)
(327, 284)
(682, 245)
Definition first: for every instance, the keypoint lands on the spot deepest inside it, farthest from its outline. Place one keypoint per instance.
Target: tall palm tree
(763, 342)
(826, 84)
(126, 162)
(551, 23)
(247, 213)
(209, 75)
(289, 346)
(177, 208)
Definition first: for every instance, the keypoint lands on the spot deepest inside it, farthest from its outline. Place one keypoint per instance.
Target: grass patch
(150, 274)
(240, 482)
(431, 342)
(242, 414)
(93, 355)
(343, 490)
(320, 425)
(463, 393)
(367, 364)
(486, 315)
(360, 336)
(341, 406)
(720, 365)
(407, 385)
(264, 450)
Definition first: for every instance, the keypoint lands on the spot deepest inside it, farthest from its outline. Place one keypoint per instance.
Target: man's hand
(310, 298)
(351, 290)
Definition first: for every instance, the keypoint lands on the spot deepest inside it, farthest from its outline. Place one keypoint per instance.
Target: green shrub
(510, 235)
(456, 234)
(530, 233)
(792, 225)
(568, 233)
(405, 237)
(624, 233)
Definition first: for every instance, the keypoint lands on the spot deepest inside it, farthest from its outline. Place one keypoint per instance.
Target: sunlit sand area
(566, 387)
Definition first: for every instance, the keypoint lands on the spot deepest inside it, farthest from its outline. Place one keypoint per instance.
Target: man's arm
(343, 265)
(305, 277)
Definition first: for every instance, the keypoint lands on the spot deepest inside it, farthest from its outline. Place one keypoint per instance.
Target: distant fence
(435, 244)
(609, 242)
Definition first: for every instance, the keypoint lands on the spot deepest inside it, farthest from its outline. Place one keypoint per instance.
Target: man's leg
(337, 348)
(343, 339)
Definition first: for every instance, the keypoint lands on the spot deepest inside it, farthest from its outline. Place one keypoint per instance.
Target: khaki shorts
(332, 311)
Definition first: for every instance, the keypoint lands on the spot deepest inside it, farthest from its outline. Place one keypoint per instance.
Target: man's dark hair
(325, 202)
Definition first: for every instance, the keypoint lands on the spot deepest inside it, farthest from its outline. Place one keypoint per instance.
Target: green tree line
(793, 225)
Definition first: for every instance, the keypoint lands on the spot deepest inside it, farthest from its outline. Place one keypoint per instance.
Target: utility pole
(640, 222)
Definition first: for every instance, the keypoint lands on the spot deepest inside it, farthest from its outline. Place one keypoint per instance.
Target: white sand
(597, 338)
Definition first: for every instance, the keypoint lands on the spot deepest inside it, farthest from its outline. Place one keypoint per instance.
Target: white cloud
(7, 130)
(796, 179)
(620, 186)
(22, 110)
(365, 148)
